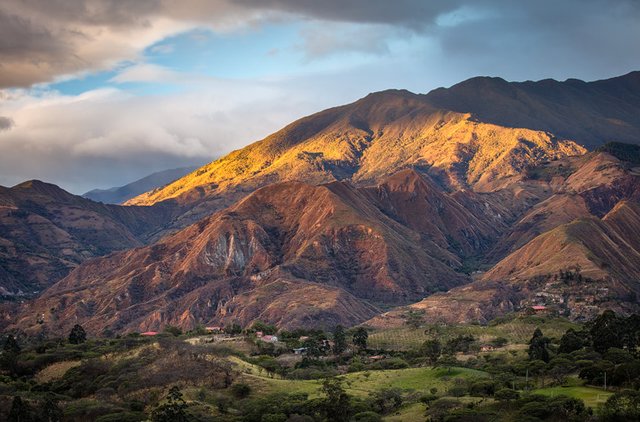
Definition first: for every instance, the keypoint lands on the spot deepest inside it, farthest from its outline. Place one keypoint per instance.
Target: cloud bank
(147, 116)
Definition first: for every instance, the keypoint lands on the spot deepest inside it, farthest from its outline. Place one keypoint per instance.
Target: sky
(98, 93)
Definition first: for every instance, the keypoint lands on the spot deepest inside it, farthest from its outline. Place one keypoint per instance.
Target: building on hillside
(214, 329)
(300, 351)
(269, 339)
(539, 308)
(149, 333)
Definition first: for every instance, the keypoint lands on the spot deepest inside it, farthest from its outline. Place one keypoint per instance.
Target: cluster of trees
(435, 351)
(603, 352)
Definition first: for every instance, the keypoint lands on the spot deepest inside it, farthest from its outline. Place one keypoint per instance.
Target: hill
(591, 113)
(575, 252)
(45, 232)
(118, 195)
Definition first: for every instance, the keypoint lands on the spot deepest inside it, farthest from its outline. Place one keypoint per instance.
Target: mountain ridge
(120, 194)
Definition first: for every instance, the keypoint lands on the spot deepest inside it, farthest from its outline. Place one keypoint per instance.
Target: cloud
(107, 137)
(146, 72)
(44, 40)
(5, 123)
(326, 39)
(344, 49)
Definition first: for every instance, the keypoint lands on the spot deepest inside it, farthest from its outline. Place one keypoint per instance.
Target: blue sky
(97, 93)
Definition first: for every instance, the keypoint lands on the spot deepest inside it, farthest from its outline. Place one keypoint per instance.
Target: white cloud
(105, 137)
(146, 72)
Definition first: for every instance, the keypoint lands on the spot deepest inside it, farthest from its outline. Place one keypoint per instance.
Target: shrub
(240, 390)
(506, 394)
(367, 417)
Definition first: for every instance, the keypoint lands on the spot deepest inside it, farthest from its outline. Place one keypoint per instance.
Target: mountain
(397, 200)
(591, 113)
(362, 143)
(473, 135)
(576, 252)
(290, 253)
(45, 232)
(121, 194)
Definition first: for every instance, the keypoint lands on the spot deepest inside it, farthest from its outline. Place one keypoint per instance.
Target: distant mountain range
(121, 194)
(464, 203)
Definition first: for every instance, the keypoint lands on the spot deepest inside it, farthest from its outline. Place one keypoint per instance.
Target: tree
(560, 368)
(461, 343)
(173, 330)
(570, 342)
(264, 328)
(431, 349)
(360, 337)
(339, 340)
(387, 401)
(622, 406)
(233, 329)
(632, 332)
(506, 394)
(607, 330)
(10, 353)
(77, 335)
(20, 411)
(241, 390)
(336, 404)
(448, 361)
(50, 411)
(414, 318)
(173, 410)
(538, 346)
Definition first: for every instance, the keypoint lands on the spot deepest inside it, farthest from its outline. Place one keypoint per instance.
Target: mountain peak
(42, 188)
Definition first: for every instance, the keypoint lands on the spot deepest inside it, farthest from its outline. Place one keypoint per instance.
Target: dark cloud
(412, 13)
(44, 39)
(5, 123)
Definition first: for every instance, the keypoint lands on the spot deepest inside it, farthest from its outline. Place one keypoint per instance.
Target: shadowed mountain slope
(46, 231)
(591, 113)
(576, 252)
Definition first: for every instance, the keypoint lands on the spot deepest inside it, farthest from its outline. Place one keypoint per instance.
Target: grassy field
(592, 397)
(516, 331)
(411, 412)
(360, 384)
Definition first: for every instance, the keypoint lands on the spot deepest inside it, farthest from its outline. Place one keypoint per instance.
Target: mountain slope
(364, 142)
(577, 251)
(121, 194)
(290, 253)
(578, 269)
(591, 113)
(45, 232)
(474, 135)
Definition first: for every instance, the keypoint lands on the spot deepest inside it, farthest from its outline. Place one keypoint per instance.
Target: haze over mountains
(379, 203)
(118, 195)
